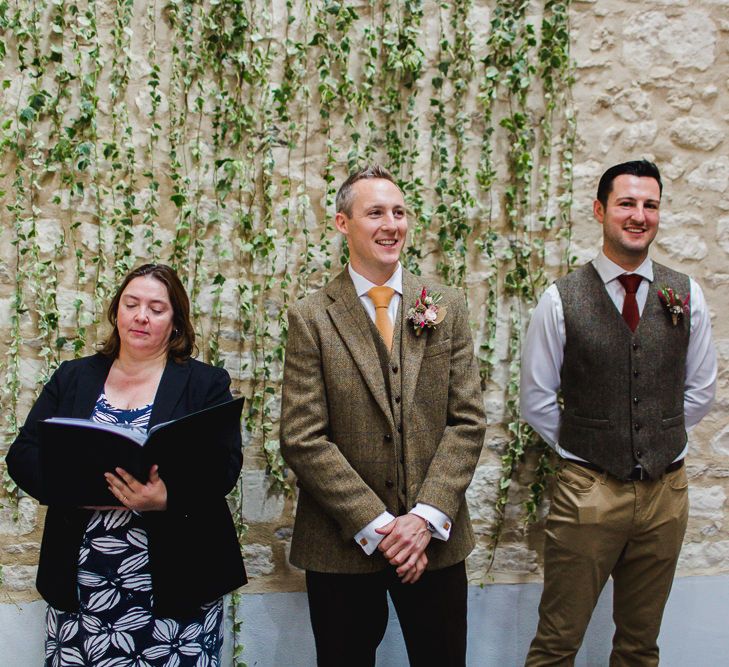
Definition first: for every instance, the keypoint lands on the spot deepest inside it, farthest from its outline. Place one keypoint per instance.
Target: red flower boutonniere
(675, 305)
(426, 313)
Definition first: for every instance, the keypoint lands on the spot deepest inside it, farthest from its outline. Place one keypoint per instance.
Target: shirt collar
(609, 270)
(362, 285)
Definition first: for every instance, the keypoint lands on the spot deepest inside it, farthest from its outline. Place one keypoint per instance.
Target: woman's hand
(135, 495)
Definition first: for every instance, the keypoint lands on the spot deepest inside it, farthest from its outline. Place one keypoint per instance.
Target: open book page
(125, 430)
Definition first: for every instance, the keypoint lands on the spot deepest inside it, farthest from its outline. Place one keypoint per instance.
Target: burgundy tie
(630, 305)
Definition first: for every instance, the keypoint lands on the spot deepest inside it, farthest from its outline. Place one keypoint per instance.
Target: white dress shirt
(367, 538)
(543, 353)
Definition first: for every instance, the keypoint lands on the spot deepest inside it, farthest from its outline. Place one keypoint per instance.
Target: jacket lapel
(350, 320)
(171, 386)
(91, 384)
(413, 346)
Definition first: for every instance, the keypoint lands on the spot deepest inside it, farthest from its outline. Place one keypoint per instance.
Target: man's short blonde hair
(345, 196)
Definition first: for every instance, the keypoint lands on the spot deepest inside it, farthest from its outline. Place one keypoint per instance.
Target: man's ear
(341, 222)
(598, 210)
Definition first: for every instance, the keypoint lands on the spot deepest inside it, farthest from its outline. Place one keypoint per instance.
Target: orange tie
(381, 297)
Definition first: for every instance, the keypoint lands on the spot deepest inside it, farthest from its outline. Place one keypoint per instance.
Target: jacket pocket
(670, 422)
(439, 348)
(588, 422)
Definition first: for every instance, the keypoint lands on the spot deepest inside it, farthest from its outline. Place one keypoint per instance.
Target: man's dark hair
(633, 168)
(182, 340)
(345, 197)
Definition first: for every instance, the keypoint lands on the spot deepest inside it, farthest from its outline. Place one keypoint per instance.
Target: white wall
(502, 619)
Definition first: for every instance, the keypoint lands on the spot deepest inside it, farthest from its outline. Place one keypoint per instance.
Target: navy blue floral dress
(115, 626)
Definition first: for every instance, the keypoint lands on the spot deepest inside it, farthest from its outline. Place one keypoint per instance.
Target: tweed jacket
(194, 554)
(337, 425)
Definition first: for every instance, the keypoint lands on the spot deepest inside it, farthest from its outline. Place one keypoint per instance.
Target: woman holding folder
(138, 581)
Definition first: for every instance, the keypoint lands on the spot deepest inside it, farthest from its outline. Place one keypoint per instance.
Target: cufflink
(446, 526)
(363, 541)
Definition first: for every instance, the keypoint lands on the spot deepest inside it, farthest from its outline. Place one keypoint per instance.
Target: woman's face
(144, 317)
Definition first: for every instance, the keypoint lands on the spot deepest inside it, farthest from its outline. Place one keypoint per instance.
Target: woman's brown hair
(182, 339)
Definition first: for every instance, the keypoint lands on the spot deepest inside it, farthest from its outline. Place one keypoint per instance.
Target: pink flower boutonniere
(426, 313)
(675, 305)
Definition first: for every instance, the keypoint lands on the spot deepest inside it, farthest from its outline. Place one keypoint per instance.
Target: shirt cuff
(367, 538)
(440, 522)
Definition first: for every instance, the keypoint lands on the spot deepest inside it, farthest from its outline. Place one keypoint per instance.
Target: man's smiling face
(377, 228)
(629, 219)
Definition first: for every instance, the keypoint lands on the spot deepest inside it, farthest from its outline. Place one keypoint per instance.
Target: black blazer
(194, 553)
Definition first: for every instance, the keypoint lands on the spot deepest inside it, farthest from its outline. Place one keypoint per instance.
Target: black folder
(192, 453)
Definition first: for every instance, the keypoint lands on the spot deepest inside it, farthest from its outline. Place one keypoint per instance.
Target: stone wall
(652, 80)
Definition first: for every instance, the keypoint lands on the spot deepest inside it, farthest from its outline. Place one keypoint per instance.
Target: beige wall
(651, 80)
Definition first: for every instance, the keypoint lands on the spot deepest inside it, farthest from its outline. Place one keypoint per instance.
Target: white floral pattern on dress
(115, 626)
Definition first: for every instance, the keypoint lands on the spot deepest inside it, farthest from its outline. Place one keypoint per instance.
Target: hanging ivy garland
(211, 135)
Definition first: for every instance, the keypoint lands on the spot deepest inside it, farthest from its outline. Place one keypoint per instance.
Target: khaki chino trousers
(600, 526)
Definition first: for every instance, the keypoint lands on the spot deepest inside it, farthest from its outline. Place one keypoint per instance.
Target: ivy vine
(211, 135)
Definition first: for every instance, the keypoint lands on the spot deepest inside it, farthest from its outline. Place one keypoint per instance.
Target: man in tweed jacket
(383, 430)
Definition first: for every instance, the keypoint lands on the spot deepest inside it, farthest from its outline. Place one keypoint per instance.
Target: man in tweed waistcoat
(626, 342)
(383, 427)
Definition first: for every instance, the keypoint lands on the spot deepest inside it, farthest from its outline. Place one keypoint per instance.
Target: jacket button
(636, 426)
(399, 428)
(635, 346)
(636, 374)
(636, 400)
(389, 483)
(394, 369)
(639, 455)
(388, 438)
(397, 399)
